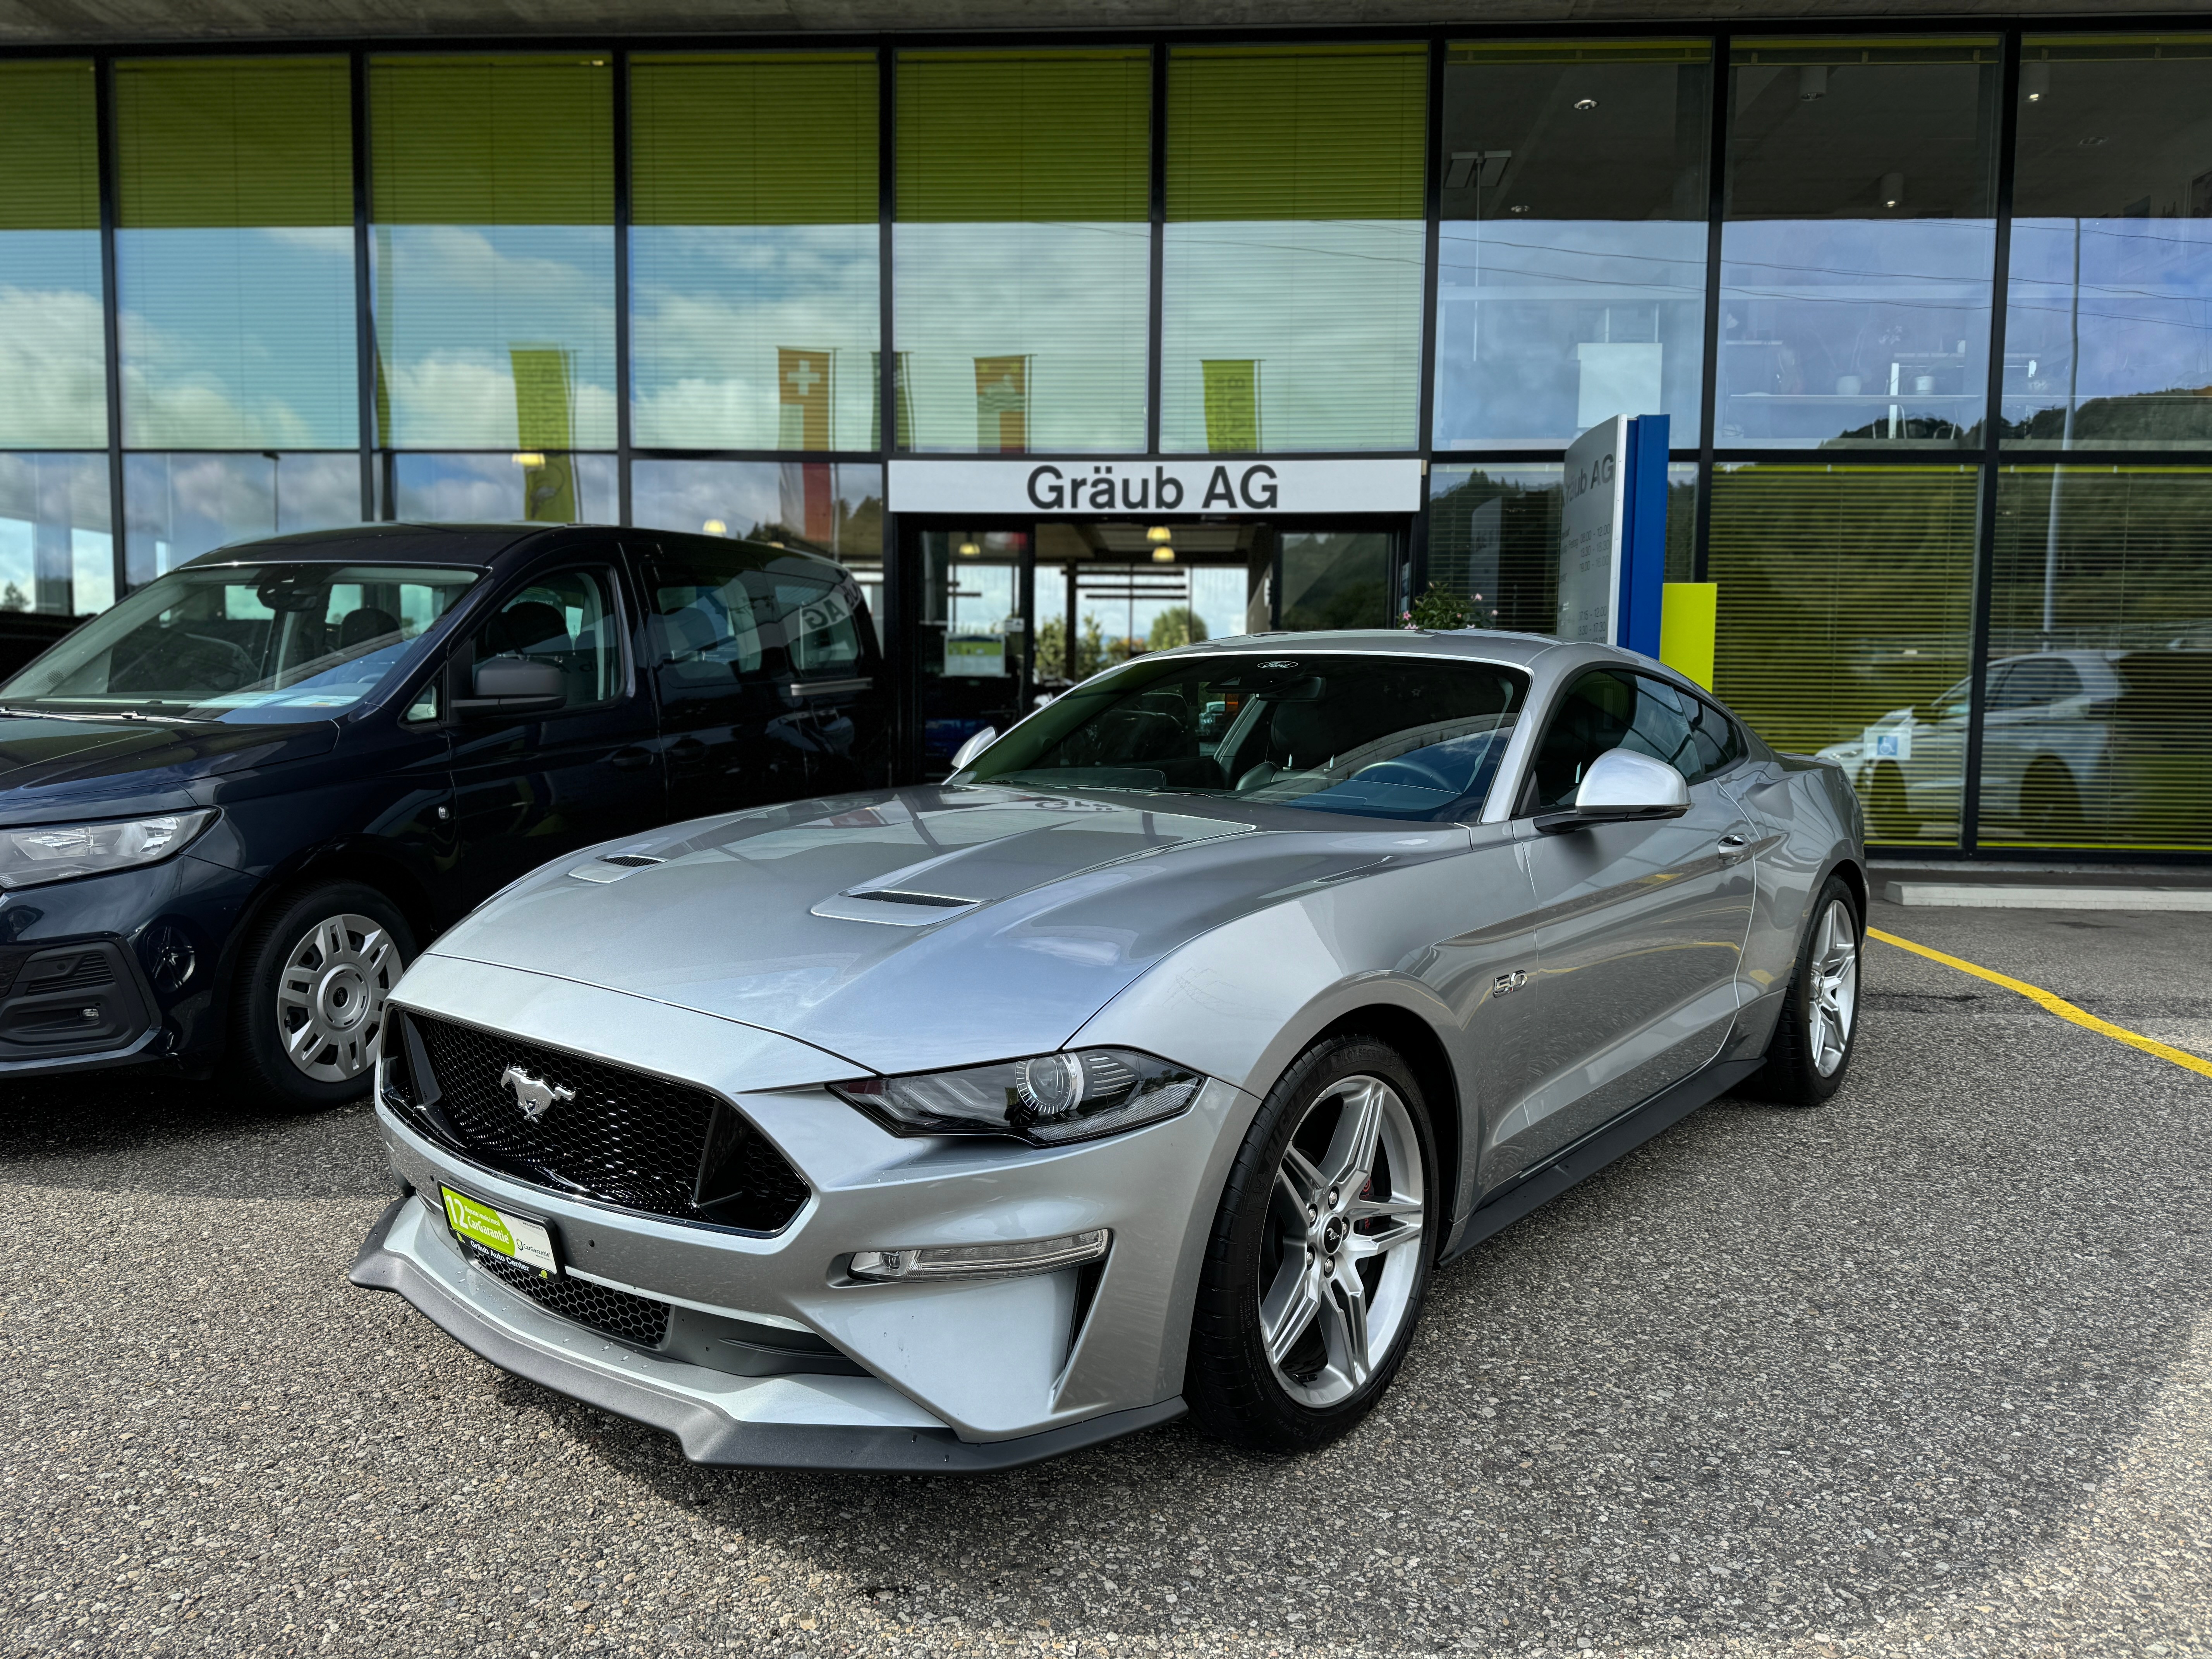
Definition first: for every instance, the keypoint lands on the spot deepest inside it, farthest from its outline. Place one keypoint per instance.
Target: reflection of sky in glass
(178, 506)
(241, 337)
(744, 498)
(1545, 327)
(711, 304)
(53, 341)
(56, 554)
(2143, 321)
(491, 489)
(1072, 298)
(453, 301)
(1332, 310)
(1876, 330)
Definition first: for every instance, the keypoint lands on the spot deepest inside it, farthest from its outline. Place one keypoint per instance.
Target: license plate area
(520, 1238)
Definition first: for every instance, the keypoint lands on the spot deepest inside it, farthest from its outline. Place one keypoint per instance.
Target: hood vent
(613, 866)
(889, 896)
(894, 907)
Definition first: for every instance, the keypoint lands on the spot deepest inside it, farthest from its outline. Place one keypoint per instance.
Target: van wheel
(1319, 1257)
(312, 982)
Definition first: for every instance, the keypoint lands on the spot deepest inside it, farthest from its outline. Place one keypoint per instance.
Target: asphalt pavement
(1928, 1370)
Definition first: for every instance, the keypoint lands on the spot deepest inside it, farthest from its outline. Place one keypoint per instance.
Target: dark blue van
(233, 806)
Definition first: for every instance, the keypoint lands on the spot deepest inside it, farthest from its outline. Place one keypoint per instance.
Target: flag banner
(804, 380)
(1002, 405)
(1232, 402)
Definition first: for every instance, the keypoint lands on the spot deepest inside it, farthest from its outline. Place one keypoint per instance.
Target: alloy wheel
(331, 995)
(1835, 970)
(1341, 1252)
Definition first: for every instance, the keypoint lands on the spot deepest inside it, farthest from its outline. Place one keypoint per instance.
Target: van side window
(565, 619)
(725, 614)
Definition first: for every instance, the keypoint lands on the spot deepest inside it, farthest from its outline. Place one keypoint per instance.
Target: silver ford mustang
(1150, 1064)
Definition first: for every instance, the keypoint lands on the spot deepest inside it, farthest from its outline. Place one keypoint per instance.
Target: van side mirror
(514, 685)
(1621, 786)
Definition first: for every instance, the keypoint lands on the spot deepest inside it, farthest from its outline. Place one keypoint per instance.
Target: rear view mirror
(1621, 786)
(514, 685)
(975, 746)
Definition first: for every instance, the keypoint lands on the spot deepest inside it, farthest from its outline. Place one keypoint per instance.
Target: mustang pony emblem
(535, 1098)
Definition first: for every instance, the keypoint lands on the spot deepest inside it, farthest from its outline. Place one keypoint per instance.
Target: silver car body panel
(1565, 980)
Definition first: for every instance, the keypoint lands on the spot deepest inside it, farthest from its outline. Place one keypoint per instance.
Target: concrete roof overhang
(96, 22)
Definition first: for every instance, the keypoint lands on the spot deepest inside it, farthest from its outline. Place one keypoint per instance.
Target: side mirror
(514, 685)
(975, 746)
(1621, 786)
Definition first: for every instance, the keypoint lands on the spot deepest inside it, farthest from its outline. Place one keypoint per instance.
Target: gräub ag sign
(1089, 487)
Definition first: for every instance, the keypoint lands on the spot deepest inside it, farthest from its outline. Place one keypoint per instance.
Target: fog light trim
(1042, 1255)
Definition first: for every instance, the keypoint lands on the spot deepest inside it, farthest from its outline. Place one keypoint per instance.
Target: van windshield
(243, 643)
(1376, 736)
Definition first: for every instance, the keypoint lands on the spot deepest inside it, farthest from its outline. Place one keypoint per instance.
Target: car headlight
(1048, 1099)
(40, 853)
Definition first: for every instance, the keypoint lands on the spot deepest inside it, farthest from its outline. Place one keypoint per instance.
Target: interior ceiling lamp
(1159, 533)
(715, 527)
(528, 458)
(968, 550)
(1586, 103)
(1163, 554)
(1812, 82)
(1892, 190)
(2035, 80)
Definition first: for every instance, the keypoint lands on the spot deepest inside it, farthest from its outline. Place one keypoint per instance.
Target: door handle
(630, 759)
(1734, 845)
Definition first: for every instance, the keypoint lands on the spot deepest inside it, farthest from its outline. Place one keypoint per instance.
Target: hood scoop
(894, 907)
(613, 866)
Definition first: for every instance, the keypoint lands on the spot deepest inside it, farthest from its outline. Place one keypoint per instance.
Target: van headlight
(1047, 1099)
(34, 854)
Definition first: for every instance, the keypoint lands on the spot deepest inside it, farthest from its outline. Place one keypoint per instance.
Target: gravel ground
(1927, 1372)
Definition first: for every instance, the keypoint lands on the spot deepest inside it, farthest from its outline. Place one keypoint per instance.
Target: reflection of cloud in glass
(745, 497)
(53, 349)
(1518, 300)
(1072, 298)
(56, 554)
(177, 507)
(453, 300)
(490, 489)
(712, 304)
(237, 336)
(1332, 311)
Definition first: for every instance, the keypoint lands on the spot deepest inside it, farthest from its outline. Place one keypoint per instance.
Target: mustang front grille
(601, 1131)
(638, 1320)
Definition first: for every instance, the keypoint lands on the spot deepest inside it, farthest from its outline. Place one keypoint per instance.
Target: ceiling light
(968, 550)
(1812, 82)
(2035, 81)
(1164, 555)
(1892, 190)
(1159, 533)
(1518, 207)
(1585, 103)
(529, 457)
(2091, 143)
(715, 527)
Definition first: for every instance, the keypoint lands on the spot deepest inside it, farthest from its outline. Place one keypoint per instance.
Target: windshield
(1380, 736)
(243, 642)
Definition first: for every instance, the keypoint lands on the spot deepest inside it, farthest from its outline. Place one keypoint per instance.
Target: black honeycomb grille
(623, 1137)
(638, 1320)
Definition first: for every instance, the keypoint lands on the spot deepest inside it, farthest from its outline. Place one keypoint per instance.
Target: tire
(1283, 1260)
(325, 956)
(1811, 1049)
(1888, 806)
(2050, 804)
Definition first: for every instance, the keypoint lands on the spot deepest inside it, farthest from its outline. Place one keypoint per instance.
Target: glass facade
(248, 303)
(754, 308)
(1024, 251)
(1291, 306)
(1570, 284)
(1861, 234)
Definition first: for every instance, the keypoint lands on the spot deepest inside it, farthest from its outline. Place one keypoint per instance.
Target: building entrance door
(1009, 615)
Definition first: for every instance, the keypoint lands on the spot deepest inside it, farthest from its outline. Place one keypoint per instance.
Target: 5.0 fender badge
(1512, 982)
(536, 1098)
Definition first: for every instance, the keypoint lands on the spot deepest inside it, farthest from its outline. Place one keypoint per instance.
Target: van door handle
(631, 758)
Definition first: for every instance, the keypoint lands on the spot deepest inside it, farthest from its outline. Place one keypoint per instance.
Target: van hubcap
(331, 995)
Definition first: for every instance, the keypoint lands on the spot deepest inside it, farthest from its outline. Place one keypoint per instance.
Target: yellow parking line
(2057, 1006)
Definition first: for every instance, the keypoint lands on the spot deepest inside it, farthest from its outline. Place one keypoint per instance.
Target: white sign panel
(1589, 533)
(1026, 488)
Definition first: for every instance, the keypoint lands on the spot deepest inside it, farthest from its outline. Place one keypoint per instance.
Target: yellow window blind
(204, 141)
(1297, 132)
(997, 137)
(772, 138)
(49, 151)
(519, 139)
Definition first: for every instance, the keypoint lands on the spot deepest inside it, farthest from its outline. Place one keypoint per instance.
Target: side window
(719, 616)
(1718, 745)
(1604, 710)
(566, 620)
(821, 624)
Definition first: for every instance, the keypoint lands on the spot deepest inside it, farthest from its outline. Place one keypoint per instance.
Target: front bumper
(980, 1374)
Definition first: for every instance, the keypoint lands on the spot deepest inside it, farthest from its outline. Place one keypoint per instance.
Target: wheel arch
(1418, 1043)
